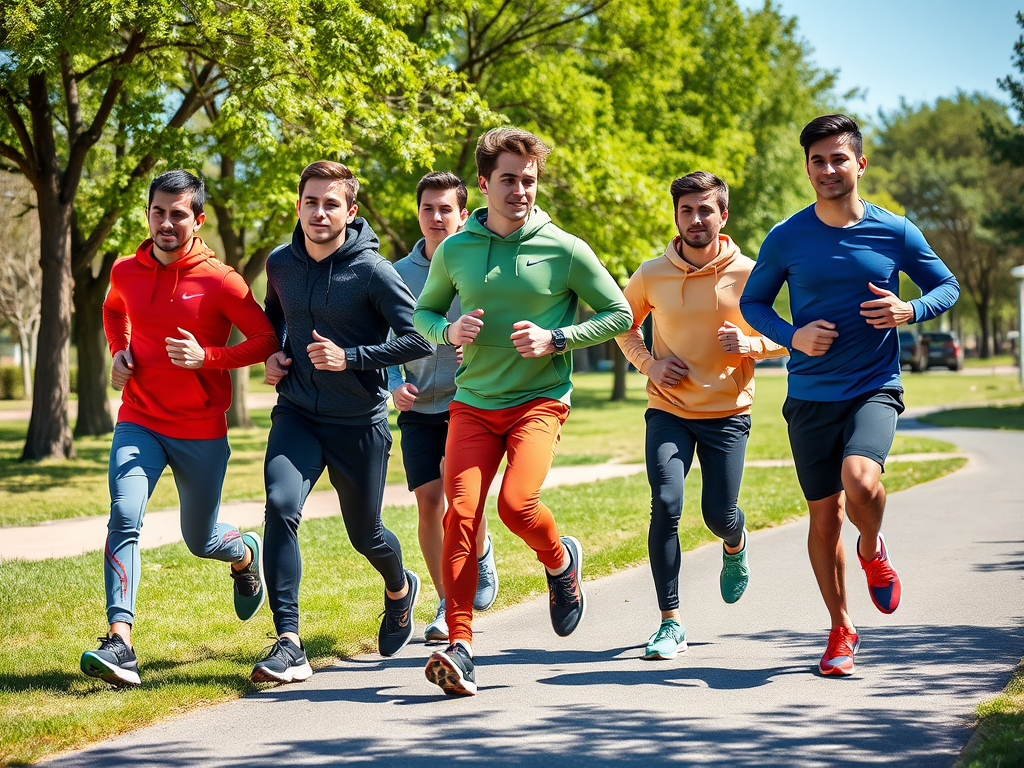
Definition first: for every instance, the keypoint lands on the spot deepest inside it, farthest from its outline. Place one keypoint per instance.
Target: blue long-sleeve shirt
(828, 270)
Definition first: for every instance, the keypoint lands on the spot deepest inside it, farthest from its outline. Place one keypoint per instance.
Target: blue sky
(908, 48)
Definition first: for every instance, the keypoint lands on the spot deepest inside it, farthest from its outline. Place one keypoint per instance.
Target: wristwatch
(558, 340)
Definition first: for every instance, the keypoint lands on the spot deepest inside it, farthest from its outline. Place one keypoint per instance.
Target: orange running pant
(477, 440)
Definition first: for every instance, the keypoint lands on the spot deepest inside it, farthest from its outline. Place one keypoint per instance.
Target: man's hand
(458, 355)
(276, 368)
(464, 330)
(325, 355)
(121, 369)
(888, 311)
(531, 340)
(185, 352)
(668, 372)
(733, 340)
(404, 396)
(815, 338)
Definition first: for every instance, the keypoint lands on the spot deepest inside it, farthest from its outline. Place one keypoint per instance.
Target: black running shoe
(567, 602)
(285, 662)
(453, 670)
(113, 662)
(397, 622)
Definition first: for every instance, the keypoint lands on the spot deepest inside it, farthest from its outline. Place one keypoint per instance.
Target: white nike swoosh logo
(730, 285)
(191, 295)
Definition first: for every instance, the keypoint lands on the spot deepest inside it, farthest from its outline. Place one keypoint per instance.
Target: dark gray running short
(423, 439)
(822, 434)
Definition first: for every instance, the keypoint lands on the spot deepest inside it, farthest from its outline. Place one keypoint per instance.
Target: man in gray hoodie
(424, 393)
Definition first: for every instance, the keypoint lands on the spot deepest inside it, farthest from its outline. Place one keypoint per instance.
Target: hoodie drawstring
(330, 276)
(716, 286)
(175, 288)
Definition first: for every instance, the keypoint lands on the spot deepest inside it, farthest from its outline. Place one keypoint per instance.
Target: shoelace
(248, 581)
(879, 572)
(275, 650)
(394, 611)
(565, 592)
(666, 632)
(839, 645)
(108, 643)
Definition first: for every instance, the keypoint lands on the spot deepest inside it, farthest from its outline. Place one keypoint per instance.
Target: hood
(534, 223)
(727, 253)
(358, 238)
(198, 252)
(418, 254)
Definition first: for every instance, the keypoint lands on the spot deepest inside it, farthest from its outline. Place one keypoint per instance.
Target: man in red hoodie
(167, 319)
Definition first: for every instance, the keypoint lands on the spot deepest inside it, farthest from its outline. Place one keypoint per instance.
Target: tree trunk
(26, 359)
(49, 433)
(238, 413)
(94, 417)
(985, 331)
(619, 371)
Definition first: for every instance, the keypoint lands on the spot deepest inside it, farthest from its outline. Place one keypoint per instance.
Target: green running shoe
(249, 591)
(735, 573)
(667, 642)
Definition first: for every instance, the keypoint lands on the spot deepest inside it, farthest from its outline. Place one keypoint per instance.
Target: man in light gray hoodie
(423, 394)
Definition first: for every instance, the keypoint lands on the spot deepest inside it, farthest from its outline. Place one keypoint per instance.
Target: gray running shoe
(437, 630)
(487, 579)
(397, 622)
(249, 591)
(284, 662)
(113, 662)
(453, 670)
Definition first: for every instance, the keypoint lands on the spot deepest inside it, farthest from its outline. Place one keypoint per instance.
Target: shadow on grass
(990, 417)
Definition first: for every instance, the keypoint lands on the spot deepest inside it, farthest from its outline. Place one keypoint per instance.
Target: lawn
(597, 431)
(51, 611)
(998, 741)
(990, 417)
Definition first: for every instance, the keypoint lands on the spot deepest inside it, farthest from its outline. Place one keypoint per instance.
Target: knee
(282, 506)
(124, 522)
(725, 523)
(516, 508)
(861, 487)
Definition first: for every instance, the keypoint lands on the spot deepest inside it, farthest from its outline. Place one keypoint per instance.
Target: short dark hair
(701, 181)
(443, 180)
(514, 140)
(176, 182)
(326, 169)
(832, 125)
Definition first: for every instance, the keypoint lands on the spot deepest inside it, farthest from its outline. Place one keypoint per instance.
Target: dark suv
(943, 348)
(912, 352)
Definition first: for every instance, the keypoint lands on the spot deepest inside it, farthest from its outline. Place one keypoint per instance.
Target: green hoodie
(538, 273)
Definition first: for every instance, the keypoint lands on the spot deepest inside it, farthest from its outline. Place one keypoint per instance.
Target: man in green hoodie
(519, 279)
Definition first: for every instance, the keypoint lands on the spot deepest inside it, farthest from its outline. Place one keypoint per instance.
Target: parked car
(943, 348)
(912, 351)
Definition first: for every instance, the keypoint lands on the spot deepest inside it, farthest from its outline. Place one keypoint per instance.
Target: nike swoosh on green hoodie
(538, 273)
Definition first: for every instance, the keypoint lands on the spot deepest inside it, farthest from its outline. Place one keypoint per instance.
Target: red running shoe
(838, 658)
(884, 584)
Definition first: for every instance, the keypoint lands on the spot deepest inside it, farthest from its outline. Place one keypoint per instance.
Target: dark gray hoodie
(353, 297)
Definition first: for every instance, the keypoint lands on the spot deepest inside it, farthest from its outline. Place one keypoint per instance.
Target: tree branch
(26, 158)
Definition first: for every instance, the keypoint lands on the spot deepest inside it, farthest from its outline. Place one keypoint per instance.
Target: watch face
(558, 339)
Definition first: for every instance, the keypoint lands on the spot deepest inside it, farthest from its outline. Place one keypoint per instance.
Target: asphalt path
(745, 694)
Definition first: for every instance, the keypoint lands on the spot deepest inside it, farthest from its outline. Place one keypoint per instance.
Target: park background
(98, 97)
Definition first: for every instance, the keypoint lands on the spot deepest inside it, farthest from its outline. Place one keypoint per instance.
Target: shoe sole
(442, 672)
(414, 586)
(579, 576)
(94, 666)
(681, 648)
(836, 671)
(263, 581)
(486, 606)
(294, 674)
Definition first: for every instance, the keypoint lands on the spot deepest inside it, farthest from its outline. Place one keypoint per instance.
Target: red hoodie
(148, 301)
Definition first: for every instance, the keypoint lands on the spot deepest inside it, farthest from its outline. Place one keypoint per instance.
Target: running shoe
(735, 573)
(567, 602)
(397, 621)
(838, 658)
(249, 591)
(113, 662)
(884, 583)
(667, 643)
(486, 580)
(437, 630)
(453, 670)
(284, 662)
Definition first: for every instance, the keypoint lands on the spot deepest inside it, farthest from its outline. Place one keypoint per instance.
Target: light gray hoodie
(433, 376)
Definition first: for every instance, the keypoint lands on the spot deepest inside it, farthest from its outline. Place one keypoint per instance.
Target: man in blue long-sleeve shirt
(841, 258)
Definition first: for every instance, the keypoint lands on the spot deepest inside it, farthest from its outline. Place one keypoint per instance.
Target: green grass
(998, 741)
(977, 362)
(50, 611)
(597, 431)
(991, 417)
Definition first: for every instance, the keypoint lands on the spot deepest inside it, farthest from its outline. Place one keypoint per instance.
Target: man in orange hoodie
(167, 319)
(700, 387)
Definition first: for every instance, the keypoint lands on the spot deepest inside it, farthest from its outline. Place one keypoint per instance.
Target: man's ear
(464, 215)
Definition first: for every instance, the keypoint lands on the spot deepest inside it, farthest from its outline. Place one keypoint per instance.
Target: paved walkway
(744, 694)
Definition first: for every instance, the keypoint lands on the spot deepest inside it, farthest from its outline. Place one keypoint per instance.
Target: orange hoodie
(148, 301)
(689, 306)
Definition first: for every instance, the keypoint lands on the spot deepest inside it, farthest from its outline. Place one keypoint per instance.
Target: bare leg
(430, 501)
(865, 501)
(827, 557)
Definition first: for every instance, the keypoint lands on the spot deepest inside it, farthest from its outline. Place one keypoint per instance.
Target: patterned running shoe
(838, 658)
(566, 600)
(113, 662)
(735, 573)
(249, 591)
(667, 643)
(884, 583)
(453, 670)
(284, 662)
(397, 621)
